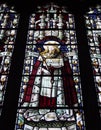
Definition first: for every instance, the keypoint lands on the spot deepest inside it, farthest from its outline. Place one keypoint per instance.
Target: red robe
(68, 85)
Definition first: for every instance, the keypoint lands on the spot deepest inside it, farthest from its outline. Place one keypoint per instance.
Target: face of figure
(51, 50)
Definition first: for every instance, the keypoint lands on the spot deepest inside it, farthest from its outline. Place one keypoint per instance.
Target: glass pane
(50, 93)
(5, 8)
(8, 23)
(93, 23)
(96, 59)
(42, 21)
(8, 20)
(46, 119)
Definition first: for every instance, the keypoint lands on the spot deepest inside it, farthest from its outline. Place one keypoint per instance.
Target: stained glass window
(93, 24)
(50, 94)
(8, 28)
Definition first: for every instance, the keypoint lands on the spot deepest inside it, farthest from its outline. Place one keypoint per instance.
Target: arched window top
(51, 17)
(52, 8)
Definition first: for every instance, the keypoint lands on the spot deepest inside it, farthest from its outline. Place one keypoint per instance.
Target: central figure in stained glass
(51, 81)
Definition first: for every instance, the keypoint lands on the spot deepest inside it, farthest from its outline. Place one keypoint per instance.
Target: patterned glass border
(9, 20)
(93, 24)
